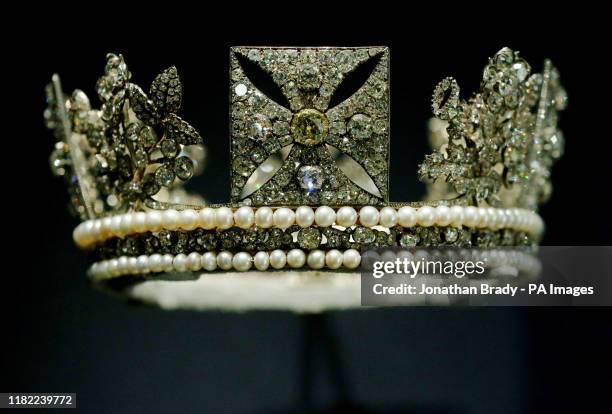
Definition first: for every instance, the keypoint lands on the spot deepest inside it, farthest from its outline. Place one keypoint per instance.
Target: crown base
(301, 290)
(296, 291)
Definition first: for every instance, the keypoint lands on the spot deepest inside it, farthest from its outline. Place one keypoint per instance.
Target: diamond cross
(309, 125)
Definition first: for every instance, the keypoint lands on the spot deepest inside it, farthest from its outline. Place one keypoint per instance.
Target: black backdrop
(62, 336)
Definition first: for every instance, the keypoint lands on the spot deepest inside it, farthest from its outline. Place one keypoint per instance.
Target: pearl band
(94, 231)
(349, 259)
(224, 260)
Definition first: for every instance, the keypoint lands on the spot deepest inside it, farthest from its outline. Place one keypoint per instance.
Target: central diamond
(309, 127)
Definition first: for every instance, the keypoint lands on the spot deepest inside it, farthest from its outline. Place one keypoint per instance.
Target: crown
(309, 130)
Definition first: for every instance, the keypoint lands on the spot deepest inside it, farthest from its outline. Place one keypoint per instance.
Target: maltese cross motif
(309, 125)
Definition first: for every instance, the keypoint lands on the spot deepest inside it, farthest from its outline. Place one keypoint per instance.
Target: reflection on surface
(321, 358)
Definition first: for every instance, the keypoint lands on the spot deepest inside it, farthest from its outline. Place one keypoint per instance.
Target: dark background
(59, 335)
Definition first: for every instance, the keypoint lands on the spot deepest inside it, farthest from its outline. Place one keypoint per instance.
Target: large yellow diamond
(309, 127)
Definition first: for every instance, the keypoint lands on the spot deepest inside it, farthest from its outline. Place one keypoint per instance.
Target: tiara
(309, 164)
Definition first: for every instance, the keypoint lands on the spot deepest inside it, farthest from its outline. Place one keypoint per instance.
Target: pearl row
(241, 261)
(98, 230)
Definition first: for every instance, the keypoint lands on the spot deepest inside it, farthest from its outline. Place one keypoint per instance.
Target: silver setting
(498, 147)
(119, 157)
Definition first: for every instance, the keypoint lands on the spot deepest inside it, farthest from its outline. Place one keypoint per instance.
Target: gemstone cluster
(501, 143)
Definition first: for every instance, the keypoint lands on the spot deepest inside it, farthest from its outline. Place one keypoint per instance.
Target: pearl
(244, 217)
(132, 266)
(333, 259)
(346, 216)
(94, 270)
(325, 216)
(105, 268)
(155, 262)
(304, 216)
(209, 261)
(264, 217)
(97, 230)
(470, 216)
(519, 219)
(207, 218)
(516, 218)
(142, 264)
(492, 218)
(531, 219)
(167, 263)
(242, 261)
(87, 232)
(154, 220)
(194, 261)
(351, 259)
(508, 217)
(529, 222)
(224, 218)
(125, 224)
(102, 269)
(180, 262)
(105, 229)
(456, 216)
(426, 216)
(526, 218)
(188, 219)
(540, 225)
(113, 267)
(122, 263)
(369, 216)
(278, 259)
(170, 219)
(388, 217)
(261, 260)
(283, 217)
(139, 222)
(77, 234)
(482, 218)
(442, 216)
(88, 235)
(407, 216)
(224, 260)
(296, 258)
(502, 218)
(512, 217)
(316, 259)
(115, 227)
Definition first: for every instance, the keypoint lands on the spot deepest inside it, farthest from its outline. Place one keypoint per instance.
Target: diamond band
(307, 239)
